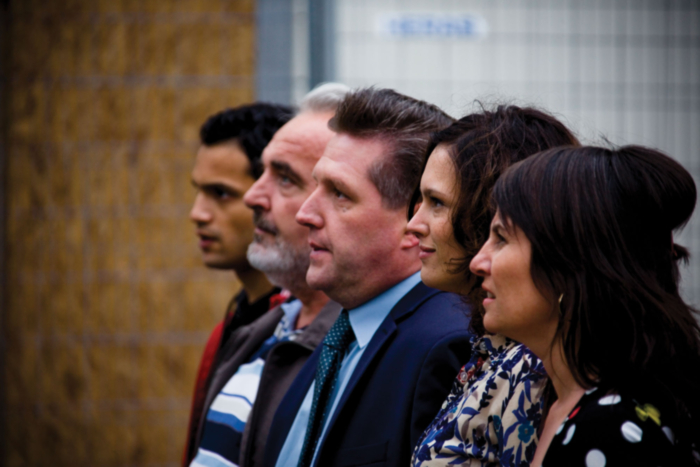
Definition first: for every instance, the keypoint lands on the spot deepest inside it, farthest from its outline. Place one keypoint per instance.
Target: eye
(284, 180)
(436, 202)
(221, 193)
(339, 194)
(499, 239)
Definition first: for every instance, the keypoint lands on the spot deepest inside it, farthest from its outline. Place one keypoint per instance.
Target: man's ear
(409, 241)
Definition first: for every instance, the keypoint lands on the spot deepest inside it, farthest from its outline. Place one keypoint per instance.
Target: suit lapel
(288, 408)
(401, 310)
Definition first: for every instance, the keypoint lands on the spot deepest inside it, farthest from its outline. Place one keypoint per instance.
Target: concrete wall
(628, 70)
(107, 303)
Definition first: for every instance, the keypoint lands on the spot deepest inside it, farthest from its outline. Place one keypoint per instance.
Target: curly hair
(482, 146)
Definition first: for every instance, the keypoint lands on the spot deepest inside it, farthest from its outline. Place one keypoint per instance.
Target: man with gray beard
(262, 359)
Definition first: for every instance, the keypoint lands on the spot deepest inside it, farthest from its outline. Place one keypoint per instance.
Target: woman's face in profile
(514, 305)
(432, 223)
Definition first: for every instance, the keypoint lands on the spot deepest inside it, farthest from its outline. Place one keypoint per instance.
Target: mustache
(263, 223)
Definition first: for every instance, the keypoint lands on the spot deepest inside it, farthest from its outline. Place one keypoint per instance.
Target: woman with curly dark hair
(491, 415)
(581, 266)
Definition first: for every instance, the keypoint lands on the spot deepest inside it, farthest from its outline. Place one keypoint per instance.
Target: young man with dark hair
(227, 164)
(366, 395)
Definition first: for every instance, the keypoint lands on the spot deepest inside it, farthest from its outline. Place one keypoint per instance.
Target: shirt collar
(366, 318)
(291, 309)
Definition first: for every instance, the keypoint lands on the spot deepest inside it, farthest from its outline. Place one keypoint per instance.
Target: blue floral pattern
(492, 413)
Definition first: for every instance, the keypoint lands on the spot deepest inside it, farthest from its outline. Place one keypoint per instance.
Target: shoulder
(257, 331)
(617, 430)
(435, 310)
(314, 333)
(518, 363)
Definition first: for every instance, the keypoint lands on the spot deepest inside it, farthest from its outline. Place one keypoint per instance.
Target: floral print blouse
(492, 413)
(608, 430)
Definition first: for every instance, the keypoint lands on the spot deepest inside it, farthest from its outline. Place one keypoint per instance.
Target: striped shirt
(228, 413)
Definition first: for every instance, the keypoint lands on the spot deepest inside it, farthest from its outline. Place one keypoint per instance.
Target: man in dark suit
(366, 395)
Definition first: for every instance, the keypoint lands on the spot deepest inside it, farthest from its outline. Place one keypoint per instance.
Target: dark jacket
(238, 313)
(282, 364)
(396, 390)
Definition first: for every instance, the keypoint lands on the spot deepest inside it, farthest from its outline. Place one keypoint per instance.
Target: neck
(350, 297)
(568, 394)
(565, 385)
(311, 303)
(255, 283)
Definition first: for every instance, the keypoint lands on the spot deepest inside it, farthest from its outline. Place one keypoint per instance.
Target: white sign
(432, 25)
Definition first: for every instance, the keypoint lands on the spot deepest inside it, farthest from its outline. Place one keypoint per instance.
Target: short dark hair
(482, 146)
(252, 126)
(404, 124)
(601, 225)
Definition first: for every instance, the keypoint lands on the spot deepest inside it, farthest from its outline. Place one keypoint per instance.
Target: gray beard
(283, 265)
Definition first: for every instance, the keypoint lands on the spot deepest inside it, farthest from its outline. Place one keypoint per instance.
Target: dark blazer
(282, 364)
(396, 390)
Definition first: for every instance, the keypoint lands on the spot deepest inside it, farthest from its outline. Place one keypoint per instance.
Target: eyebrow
(340, 185)
(219, 185)
(282, 168)
(497, 227)
(432, 192)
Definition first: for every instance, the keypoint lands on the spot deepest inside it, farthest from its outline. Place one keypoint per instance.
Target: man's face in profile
(280, 246)
(354, 237)
(224, 224)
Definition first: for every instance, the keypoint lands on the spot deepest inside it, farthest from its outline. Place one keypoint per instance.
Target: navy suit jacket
(396, 390)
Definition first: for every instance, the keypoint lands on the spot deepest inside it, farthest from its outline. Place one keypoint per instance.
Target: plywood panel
(109, 305)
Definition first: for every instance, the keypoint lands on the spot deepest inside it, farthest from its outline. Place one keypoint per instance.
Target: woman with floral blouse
(493, 412)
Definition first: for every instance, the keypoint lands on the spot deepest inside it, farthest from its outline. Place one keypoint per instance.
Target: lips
(206, 239)
(317, 249)
(425, 251)
(263, 225)
(315, 246)
(490, 297)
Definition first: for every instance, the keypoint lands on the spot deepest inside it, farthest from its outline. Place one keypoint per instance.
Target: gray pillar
(321, 41)
(273, 74)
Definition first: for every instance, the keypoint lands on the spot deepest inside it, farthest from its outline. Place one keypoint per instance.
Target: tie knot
(340, 335)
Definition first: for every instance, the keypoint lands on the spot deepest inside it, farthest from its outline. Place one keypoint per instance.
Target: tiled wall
(108, 305)
(628, 70)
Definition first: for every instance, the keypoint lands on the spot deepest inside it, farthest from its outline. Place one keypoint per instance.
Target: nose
(481, 263)
(199, 214)
(417, 225)
(257, 197)
(308, 214)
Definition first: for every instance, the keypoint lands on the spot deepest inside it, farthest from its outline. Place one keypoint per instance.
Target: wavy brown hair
(482, 146)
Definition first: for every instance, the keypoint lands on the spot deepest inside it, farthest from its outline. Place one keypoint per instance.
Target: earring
(560, 299)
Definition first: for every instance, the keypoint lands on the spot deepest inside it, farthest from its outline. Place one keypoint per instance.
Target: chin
(317, 279)
(211, 261)
(440, 283)
(490, 326)
(428, 280)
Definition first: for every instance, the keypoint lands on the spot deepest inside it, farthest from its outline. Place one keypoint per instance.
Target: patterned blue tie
(336, 343)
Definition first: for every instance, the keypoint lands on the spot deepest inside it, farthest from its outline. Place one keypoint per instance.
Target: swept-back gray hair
(325, 97)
